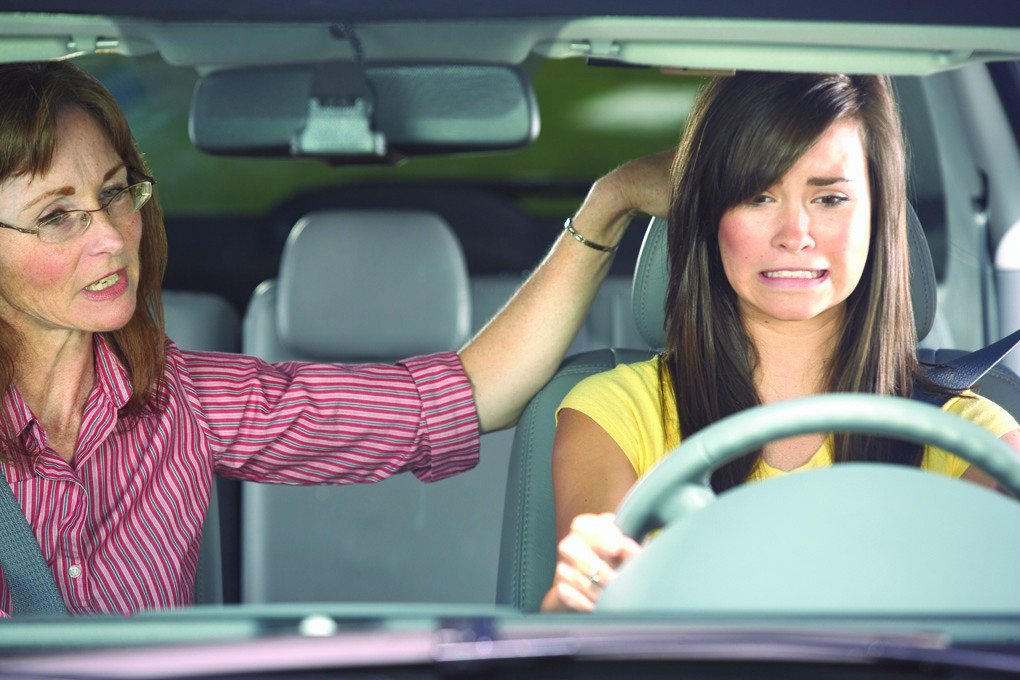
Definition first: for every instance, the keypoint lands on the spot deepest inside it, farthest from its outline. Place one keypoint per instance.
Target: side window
(924, 180)
(1006, 76)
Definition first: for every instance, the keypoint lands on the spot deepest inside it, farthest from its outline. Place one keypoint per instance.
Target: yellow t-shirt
(626, 403)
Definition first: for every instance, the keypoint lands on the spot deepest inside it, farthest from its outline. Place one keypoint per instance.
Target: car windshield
(447, 145)
(591, 117)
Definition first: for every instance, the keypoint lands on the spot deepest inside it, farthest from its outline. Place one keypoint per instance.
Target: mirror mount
(340, 114)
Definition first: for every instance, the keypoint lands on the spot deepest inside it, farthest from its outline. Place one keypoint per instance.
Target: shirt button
(74, 571)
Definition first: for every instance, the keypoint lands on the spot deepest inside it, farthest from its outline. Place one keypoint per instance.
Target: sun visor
(346, 112)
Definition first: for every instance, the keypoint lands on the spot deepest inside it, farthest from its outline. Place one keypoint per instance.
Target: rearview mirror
(348, 113)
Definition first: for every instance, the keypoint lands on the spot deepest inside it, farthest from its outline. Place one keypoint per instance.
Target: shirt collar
(111, 377)
(16, 415)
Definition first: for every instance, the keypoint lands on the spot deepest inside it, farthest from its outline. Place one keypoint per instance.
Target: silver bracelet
(568, 225)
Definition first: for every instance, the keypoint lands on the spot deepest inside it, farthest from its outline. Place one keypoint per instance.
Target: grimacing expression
(796, 251)
(86, 284)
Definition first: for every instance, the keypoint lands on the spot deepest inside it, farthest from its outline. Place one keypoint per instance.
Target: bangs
(35, 95)
(28, 138)
(756, 139)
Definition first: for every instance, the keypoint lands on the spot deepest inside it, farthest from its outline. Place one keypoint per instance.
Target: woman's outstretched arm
(519, 350)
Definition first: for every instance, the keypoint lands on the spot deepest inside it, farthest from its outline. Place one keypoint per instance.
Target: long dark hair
(34, 95)
(744, 134)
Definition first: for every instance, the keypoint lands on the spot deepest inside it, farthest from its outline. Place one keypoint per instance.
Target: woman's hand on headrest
(643, 184)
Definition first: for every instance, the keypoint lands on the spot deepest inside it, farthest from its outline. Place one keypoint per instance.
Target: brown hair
(34, 95)
(744, 134)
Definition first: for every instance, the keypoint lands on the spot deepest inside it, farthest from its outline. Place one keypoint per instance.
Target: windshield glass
(411, 574)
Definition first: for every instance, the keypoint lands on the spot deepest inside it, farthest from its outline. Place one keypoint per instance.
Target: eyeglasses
(64, 226)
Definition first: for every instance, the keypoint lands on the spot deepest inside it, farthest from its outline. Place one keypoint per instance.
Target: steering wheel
(679, 484)
(851, 539)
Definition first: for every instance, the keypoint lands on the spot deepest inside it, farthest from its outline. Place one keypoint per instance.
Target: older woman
(110, 435)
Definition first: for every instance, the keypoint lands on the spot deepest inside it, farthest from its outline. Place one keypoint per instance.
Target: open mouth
(104, 283)
(795, 274)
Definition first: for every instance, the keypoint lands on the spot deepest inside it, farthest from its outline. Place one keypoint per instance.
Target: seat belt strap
(964, 371)
(29, 579)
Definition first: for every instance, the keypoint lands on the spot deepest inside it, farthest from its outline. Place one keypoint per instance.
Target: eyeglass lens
(67, 225)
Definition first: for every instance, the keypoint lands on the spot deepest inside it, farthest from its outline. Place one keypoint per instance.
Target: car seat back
(207, 322)
(369, 285)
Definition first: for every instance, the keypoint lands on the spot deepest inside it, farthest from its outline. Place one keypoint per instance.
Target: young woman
(789, 277)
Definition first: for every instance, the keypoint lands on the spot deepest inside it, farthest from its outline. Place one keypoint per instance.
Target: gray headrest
(201, 321)
(372, 283)
(651, 276)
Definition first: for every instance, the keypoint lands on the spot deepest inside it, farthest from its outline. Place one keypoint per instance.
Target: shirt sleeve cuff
(449, 422)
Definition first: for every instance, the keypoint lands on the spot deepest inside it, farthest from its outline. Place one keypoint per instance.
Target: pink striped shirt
(121, 525)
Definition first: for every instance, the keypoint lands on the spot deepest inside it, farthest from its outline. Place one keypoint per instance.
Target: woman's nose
(793, 232)
(105, 233)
